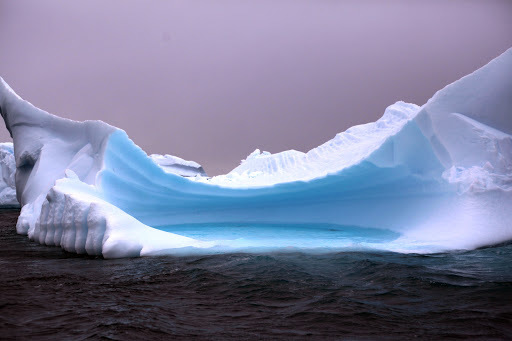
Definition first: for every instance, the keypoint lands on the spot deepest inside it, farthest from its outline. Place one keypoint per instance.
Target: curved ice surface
(420, 179)
(7, 170)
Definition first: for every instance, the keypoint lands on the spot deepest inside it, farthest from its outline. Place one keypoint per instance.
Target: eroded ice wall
(7, 172)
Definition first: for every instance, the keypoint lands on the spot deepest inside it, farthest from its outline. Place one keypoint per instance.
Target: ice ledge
(76, 218)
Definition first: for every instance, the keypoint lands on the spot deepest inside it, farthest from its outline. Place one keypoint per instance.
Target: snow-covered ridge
(344, 150)
(437, 177)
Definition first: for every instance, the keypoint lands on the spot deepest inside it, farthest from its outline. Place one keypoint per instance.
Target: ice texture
(176, 165)
(7, 171)
(420, 179)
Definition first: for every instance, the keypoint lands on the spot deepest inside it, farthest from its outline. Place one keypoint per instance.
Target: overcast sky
(211, 81)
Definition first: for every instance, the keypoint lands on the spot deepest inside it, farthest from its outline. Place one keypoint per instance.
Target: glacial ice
(7, 170)
(420, 179)
(176, 165)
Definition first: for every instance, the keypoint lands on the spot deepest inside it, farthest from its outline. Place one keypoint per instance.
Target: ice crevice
(420, 179)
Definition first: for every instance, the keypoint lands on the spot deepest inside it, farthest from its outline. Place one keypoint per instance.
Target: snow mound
(420, 179)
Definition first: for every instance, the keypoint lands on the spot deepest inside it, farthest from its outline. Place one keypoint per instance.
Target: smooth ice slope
(7, 170)
(420, 179)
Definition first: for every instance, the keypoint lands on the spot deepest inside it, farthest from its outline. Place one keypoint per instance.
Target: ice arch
(420, 179)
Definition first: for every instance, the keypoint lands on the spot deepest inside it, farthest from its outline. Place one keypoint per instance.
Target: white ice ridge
(420, 179)
(7, 170)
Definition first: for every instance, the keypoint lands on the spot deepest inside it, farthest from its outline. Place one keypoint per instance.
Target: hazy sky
(212, 80)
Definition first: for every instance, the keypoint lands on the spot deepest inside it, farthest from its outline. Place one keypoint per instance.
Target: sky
(211, 81)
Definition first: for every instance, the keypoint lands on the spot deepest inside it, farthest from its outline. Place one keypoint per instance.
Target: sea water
(47, 294)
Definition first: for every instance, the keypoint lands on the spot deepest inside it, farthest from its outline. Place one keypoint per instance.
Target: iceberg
(420, 179)
(7, 170)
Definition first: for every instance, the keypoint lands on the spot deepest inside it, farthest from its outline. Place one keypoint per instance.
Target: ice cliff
(420, 179)
(7, 170)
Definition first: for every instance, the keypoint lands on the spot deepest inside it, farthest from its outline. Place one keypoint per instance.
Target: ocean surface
(49, 294)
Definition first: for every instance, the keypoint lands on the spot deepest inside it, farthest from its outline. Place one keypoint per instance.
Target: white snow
(420, 179)
(344, 150)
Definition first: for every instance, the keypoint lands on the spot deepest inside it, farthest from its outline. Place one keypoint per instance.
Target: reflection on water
(47, 293)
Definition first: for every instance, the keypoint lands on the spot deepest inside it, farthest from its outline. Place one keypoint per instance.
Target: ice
(176, 165)
(419, 179)
(7, 170)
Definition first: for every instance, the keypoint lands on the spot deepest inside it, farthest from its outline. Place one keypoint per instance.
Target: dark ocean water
(48, 294)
